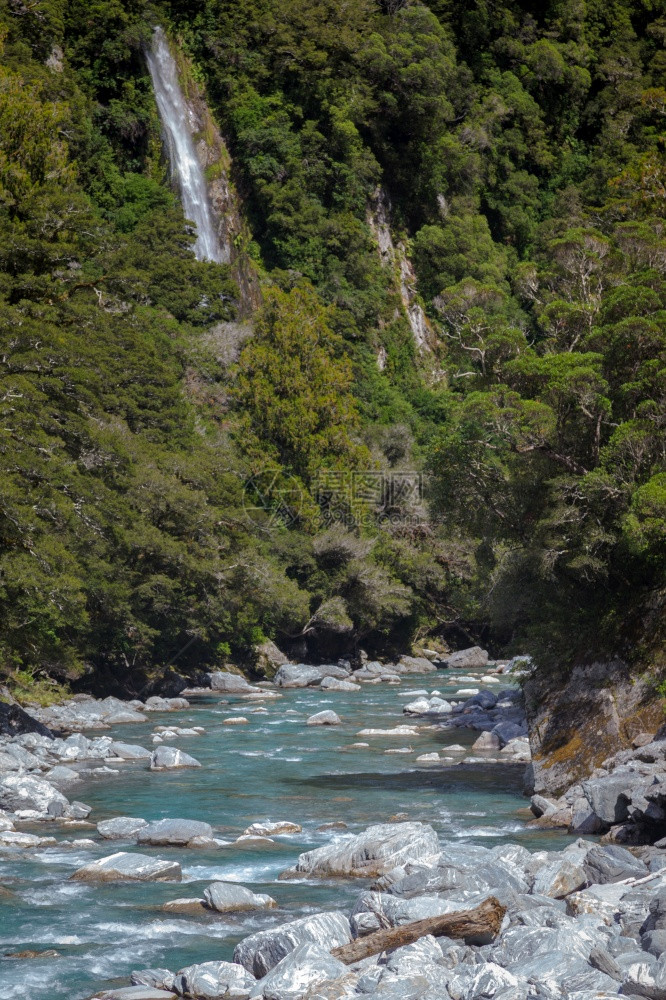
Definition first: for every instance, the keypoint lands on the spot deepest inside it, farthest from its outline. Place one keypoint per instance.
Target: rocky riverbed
(278, 837)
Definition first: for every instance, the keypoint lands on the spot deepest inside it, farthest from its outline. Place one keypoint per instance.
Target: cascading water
(182, 156)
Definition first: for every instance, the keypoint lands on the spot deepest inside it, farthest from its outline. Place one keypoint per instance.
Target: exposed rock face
(573, 729)
(374, 852)
(261, 952)
(123, 867)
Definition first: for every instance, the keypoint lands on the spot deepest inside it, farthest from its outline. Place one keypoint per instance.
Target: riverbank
(452, 832)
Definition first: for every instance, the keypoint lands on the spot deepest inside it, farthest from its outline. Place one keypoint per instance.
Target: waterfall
(180, 145)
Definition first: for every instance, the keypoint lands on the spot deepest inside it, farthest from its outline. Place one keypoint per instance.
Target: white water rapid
(180, 146)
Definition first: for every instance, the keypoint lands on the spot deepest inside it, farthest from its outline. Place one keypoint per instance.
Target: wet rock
(229, 897)
(374, 852)
(236, 720)
(129, 867)
(300, 973)
(261, 952)
(62, 777)
(214, 981)
(269, 829)
(167, 758)
(223, 680)
(120, 828)
(173, 831)
(326, 718)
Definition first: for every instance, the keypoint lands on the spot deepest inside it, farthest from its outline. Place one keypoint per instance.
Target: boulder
(214, 981)
(168, 758)
(335, 684)
(326, 718)
(413, 665)
(374, 852)
(158, 979)
(269, 829)
(14, 721)
(229, 897)
(300, 675)
(173, 831)
(467, 659)
(559, 878)
(120, 828)
(223, 680)
(487, 741)
(129, 751)
(268, 658)
(25, 791)
(122, 867)
(300, 973)
(612, 864)
(122, 716)
(261, 952)
(608, 797)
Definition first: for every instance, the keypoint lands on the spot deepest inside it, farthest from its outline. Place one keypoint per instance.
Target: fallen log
(478, 926)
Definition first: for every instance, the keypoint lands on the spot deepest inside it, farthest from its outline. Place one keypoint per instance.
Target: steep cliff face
(233, 232)
(573, 727)
(394, 257)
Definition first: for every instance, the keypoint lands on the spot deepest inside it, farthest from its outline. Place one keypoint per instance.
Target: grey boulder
(229, 897)
(374, 852)
(223, 680)
(300, 973)
(214, 981)
(169, 758)
(326, 718)
(124, 867)
(120, 828)
(173, 831)
(300, 675)
(130, 751)
(261, 952)
(465, 659)
(25, 791)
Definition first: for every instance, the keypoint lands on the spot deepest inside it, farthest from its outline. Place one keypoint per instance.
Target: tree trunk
(479, 926)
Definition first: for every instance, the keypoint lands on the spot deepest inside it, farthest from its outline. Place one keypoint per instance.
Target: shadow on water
(462, 777)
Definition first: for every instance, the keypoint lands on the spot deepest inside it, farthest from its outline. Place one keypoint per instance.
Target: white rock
(326, 718)
(129, 867)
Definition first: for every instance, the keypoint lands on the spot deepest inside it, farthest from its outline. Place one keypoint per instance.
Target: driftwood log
(479, 925)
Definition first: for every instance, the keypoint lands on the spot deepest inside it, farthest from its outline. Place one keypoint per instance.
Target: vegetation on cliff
(521, 146)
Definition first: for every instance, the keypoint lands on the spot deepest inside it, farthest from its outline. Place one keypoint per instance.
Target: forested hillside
(339, 483)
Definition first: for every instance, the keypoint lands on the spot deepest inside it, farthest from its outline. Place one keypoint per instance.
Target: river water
(274, 768)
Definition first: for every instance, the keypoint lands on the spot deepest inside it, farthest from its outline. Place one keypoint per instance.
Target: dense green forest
(521, 148)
